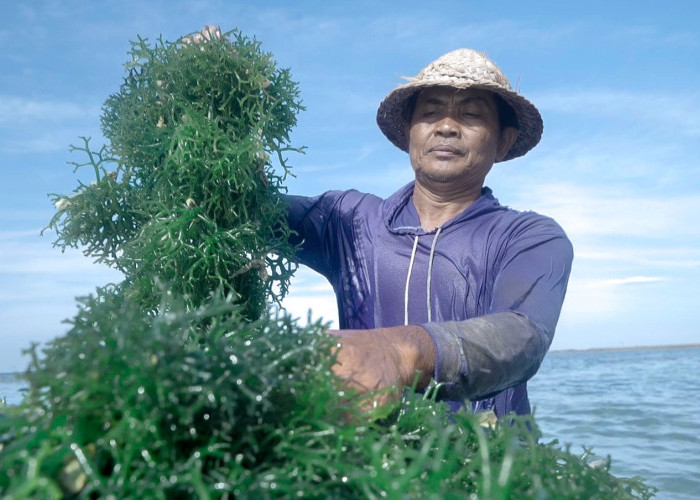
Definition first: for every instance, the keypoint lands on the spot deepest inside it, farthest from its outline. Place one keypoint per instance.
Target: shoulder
(350, 203)
(533, 233)
(528, 222)
(336, 203)
(512, 231)
(353, 200)
(509, 221)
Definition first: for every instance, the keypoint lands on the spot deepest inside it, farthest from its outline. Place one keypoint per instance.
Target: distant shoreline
(630, 348)
(18, 375)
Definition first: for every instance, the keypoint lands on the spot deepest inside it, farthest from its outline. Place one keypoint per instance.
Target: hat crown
(463, 66)
(460, 69)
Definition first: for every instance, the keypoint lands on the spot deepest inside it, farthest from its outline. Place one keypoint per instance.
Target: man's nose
(447, 127)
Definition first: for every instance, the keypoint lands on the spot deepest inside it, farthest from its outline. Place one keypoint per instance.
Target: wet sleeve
(321, 226)
(479, 357)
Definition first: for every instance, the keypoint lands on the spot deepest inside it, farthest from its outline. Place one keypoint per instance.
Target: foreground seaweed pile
(179, 382)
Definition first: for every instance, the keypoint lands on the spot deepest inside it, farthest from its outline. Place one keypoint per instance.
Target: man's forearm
(373, 360)
(417, 351)
(479, 357)
(472, 359)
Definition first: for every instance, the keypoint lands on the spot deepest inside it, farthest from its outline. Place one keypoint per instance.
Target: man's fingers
(363, 368)
(209, 32)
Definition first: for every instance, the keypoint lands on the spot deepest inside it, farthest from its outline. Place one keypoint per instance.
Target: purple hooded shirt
(487, 285)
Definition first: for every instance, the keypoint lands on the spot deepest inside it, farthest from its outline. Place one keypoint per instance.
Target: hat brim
(392, 114)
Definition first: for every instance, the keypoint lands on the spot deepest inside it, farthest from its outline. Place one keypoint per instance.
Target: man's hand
(385, 360)
(209, 32)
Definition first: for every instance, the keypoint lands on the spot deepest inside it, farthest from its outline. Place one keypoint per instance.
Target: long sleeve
(325, 228)
(481, 356)
(498, 283)
(312, 219)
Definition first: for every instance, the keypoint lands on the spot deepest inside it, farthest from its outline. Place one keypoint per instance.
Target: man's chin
(436, 177)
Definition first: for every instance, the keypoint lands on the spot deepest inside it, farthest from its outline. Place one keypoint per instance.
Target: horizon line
(629, 348)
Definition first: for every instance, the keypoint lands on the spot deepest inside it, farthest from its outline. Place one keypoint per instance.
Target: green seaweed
(183, 380)
(185, 192)
(195, 403)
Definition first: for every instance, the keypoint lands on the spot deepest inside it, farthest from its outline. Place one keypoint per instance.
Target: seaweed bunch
(185, 192)
(198, 404)
(182, 381)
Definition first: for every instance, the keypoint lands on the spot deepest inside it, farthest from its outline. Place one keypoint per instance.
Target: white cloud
(19, 109)
(672, 113)
(408, 30)
(30, 321)
(312, 289)
(590, 301)
(519, 34)
(19, 234)
(632, 280)
(38, 286)
(351, 159)
(308, 29)
(585, 210)
(36, 256)
(33, 271)
(38, 142)
(652, 36)
(310, 293)
(320, 308)
(669, 258)
(41, 126)
(382, 181)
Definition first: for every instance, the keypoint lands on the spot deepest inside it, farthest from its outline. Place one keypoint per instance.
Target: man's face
(454, 137)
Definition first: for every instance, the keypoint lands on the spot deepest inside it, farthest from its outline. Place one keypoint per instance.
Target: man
(439, 280)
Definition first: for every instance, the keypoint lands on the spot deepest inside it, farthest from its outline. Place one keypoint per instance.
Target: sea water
(639, 407)
(11, 389)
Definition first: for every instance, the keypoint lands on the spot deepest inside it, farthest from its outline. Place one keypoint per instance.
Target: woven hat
(460, 69)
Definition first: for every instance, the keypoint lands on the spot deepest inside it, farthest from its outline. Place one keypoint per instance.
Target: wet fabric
(487, 286)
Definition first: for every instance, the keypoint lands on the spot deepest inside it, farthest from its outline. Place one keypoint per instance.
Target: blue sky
(618, 165)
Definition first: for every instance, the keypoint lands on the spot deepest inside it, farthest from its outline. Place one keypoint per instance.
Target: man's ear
(508, 137)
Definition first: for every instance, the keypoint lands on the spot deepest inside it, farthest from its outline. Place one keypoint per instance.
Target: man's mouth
(444, 150)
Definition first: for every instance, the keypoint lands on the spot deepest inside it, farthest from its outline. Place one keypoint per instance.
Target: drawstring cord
(430, 276)
(430, 270)
(408, 280)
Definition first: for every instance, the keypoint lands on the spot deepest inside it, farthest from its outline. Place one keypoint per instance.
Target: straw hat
(461, 69)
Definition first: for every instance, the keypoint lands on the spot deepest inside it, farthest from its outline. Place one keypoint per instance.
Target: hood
(401, 217)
